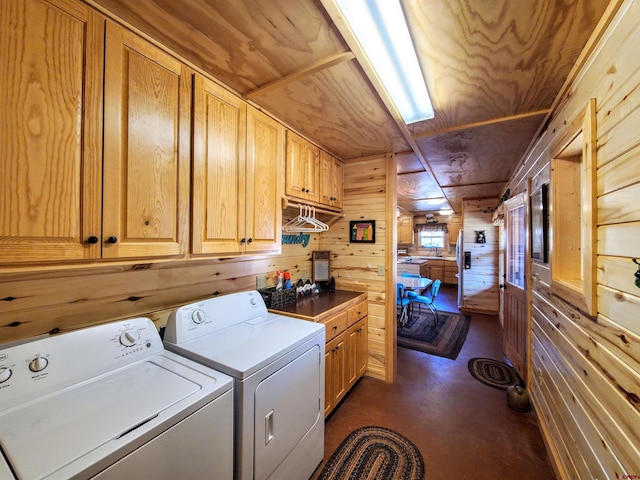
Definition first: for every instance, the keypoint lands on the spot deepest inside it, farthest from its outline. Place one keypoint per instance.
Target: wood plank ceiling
(493, 69)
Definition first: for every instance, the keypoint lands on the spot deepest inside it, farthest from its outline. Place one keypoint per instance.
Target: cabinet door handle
(243, 240)
(250, 240)
(92, 239)
(112, 240)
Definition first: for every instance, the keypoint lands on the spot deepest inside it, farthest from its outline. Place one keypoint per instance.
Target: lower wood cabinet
(345, 353)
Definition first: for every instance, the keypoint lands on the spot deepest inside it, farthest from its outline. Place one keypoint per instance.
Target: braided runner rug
(374, 453)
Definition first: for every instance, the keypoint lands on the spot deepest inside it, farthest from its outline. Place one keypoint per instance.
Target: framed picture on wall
(362, 231)
(539, 225)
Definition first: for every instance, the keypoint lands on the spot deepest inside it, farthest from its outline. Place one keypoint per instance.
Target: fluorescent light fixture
(381, 29)
(445, 211)
(435, 201)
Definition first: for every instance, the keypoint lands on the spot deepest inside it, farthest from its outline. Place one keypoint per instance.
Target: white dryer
(108, 402)
(277, 363)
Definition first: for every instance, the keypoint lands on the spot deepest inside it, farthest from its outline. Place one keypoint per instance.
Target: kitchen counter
(319, 307)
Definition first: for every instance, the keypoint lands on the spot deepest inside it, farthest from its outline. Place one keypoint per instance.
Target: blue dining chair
(414, 298)
(403, 304)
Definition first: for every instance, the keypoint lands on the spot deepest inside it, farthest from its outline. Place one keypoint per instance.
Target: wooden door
(516, 325)
(265, 158)
(147, 131)
(51, 54)
(219, 162)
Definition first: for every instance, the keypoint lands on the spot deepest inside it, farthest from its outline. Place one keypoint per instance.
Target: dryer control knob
(5, 374)
(38, 364)
(128, 338)
(198, 316)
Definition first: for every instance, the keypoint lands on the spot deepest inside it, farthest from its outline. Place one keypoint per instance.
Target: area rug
(378, 453)
(494, 373)
(445, 339)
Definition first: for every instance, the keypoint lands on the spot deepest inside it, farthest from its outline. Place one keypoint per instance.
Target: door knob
(112, 240)
(92, 239)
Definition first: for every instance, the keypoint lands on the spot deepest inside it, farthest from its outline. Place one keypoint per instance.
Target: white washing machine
(277, 363)
(108, 402)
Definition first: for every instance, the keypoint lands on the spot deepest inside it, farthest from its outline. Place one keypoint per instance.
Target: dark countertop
(314, 307)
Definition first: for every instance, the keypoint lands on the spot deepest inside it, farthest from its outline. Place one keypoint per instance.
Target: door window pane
(515, 246)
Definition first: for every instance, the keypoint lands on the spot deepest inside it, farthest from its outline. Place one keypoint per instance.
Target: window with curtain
(432, 235)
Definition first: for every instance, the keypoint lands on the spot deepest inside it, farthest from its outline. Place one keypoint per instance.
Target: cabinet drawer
(357, 312)
(336, 325)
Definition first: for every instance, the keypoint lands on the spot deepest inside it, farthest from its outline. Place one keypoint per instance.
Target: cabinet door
(335, 372)
(51, 54)
(147, 119)
(296, 174)
(301, 180)
(311, 155)
(405, 230)
(265, 159)
(362, 347)
(436, 272)
(331, 182)
(356, 351)
(219, 162)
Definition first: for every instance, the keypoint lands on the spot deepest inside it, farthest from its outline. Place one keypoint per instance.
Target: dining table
(417, 284)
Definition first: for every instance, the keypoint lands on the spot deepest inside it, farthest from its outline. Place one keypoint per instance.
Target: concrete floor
(463, 428)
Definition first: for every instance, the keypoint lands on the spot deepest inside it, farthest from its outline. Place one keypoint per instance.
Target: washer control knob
(5, 374)
(128, 338)
(38, 364)
(198, 316)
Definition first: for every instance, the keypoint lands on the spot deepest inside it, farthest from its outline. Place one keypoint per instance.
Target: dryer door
(287, 406)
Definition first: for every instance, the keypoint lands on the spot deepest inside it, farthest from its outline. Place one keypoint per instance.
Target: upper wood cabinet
(83, 179)
(237, 172)
(455, 224)
(147, 132)
(302, 168)
(405, 230)
(51, 135)
(331, 181)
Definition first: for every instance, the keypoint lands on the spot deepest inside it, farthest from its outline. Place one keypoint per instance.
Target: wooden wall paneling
(550, 380)
(620, 205)
(594, 361)
(550, 424)
(584, 385)
(354, 265)
(481, 280)
(70, 299)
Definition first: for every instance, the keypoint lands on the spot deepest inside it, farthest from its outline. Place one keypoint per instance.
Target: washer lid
(245, 348)
(45, 435)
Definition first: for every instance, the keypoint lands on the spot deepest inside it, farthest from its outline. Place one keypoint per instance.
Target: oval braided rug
(374, 453)
(494, 373)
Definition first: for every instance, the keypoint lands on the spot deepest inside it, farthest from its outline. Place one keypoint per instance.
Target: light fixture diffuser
(381, 30)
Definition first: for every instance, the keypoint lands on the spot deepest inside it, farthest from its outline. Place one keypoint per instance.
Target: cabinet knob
(112, 240)
(92, 239)
(243, 240)
(250, 240)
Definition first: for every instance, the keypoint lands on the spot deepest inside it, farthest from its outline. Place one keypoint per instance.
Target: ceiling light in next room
(446, 211)
(435, 201)
(381, 29)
